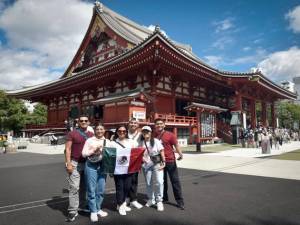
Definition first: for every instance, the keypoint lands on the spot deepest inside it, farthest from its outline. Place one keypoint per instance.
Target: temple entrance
(98, 112)
(180, 104)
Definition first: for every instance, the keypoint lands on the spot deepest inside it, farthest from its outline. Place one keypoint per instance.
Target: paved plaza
(227, 189)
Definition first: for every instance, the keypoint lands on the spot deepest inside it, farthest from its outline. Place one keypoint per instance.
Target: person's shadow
(61, 203)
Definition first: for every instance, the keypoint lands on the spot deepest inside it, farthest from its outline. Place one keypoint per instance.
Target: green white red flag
(122, 160)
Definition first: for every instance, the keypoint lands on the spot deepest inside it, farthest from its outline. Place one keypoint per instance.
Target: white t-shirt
(135, 137)
(155, 150)
(127, 143)
(92, 144)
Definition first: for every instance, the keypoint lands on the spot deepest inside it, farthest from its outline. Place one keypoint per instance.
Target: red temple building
(123, 70)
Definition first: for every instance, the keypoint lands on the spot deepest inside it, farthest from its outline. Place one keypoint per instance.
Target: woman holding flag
(122, 178)
(94, 178)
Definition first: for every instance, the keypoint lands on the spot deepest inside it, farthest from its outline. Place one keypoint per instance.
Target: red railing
(171, 118)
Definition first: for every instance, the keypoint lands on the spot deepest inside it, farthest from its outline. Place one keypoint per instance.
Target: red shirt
(77, 144)
(168, 140)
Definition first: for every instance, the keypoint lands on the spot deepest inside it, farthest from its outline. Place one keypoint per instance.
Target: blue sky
(39, 37)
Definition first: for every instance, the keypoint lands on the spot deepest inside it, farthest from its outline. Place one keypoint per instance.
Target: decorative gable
(100, 44)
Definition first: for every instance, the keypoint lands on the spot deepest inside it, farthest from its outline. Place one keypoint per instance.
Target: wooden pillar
(191, 134)
(198, 127)
(273, 118)
(264, 113)
(56, 110)
(253, 113)
(238, 101)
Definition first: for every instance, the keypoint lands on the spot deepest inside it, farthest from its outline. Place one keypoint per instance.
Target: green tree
(13, 113)
(38, 116)
(288, 113)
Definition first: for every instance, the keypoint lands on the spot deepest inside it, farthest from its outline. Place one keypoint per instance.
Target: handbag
(97, 156)
(154, 158)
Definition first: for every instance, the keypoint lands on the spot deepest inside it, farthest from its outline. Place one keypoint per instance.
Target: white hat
(146, 128)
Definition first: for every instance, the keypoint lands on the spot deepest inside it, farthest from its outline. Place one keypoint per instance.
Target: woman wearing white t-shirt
(154, 162)
(94, 178)
(122, 181)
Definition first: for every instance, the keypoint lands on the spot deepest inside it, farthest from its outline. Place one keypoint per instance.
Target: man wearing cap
(134, 135)
(169, 142)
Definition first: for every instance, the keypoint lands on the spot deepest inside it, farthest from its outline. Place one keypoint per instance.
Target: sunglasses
(81, 121)
(122, 131)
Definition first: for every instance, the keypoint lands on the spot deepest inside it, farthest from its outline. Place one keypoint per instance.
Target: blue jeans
(95, 185)
(154, 183)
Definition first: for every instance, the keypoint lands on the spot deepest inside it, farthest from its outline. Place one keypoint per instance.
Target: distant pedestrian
(265, 143)
(75, 164)
(169, 142)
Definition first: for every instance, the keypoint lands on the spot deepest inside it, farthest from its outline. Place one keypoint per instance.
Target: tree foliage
(14, 114)
(38, 116)
(288, 113)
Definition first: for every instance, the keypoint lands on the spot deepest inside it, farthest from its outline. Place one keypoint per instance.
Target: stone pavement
(247, 161)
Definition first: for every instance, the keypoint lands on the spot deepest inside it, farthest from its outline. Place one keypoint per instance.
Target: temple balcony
(172, 119)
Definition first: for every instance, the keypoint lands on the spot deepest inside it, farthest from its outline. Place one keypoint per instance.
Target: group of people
(266, 138)
(86, 179)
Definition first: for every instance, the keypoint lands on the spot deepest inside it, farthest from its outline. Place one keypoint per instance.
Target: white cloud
(294, 19)
(282, 65)
(223, 25)
(247, 48)
(223, 42)
(213, 60)
(19, 69)
(258, 55)
(42, 36)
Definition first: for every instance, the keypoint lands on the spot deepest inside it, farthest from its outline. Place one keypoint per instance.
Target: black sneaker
(180, 206)
(71, 217)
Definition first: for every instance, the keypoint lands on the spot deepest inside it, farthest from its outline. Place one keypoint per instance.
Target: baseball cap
(146, 128)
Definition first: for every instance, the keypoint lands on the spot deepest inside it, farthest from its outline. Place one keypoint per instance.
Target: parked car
(48, 138)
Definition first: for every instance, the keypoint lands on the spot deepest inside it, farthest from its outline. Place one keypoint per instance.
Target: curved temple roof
(140, 36)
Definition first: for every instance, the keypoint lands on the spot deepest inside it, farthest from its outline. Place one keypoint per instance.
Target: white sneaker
(121, 210)
(149, 203)
(127, 209)
(102, 213)
(136, 205)
(160, 206)
(94, 217)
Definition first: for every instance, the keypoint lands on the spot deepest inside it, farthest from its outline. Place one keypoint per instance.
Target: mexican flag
(122, 160)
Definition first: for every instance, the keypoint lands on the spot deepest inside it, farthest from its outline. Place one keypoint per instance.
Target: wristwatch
(66, 164)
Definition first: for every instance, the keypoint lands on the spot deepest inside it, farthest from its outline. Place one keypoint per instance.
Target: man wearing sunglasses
(75, 167)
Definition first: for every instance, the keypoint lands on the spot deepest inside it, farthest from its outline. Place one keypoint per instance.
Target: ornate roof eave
(129, 95)
(118, 58)
(280, 90)
(204, 107)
